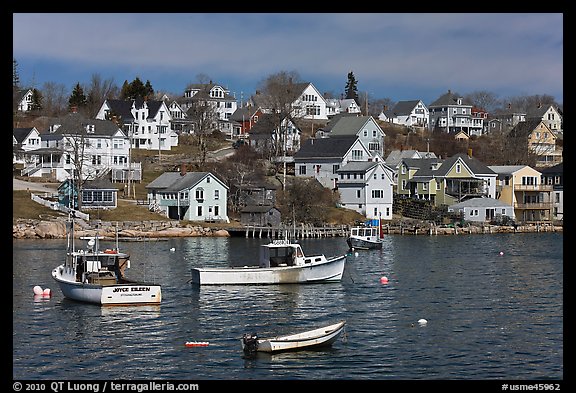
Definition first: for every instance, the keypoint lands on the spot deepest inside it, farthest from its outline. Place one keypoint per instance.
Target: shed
(260, 216)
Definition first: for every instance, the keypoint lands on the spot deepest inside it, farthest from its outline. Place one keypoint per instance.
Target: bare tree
(97, 91)
(278, 93)
(55, 99)
(484, 100)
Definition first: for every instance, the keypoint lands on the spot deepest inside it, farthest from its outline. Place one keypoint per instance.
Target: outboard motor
(250, 343)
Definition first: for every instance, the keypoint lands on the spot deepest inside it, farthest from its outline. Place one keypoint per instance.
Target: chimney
(470, 153)
(182, 169)
(73, 109)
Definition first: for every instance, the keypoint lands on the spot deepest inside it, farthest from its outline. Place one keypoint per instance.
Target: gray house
(193, 196)
(483, 210)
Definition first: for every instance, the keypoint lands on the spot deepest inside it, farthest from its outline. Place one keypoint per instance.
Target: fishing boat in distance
(311, 339)
(95, 275)
(280, 262)
(364, 238)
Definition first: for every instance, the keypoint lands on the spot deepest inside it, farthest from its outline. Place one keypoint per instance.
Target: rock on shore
(38, 229)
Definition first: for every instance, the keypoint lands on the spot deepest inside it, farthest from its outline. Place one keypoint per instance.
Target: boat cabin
(103, 267)
(366, 232)
(282, 253)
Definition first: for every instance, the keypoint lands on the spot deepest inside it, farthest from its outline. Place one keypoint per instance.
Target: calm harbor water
(490, 316)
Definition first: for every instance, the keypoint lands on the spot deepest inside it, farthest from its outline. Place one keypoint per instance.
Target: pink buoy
(501, 253)
(46, 292)
(383, 280)
(38, 290)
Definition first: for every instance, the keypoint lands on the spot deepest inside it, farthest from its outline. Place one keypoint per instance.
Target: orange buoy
(190, 344)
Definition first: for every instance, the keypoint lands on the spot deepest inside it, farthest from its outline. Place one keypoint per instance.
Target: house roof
(506, 169)
(178, 181)
(99, 184)
(558, 168)
(476, 166)
(75, 124)
(349, 125)
(358, 166)
(123, 108)
(333, 147)
(245, 113)
(538, 110)
(403, 108)
(266, 124)
(450, 99)
(21, 133)
(480, 202)
(396, 156)
(335, 119)
(524, 128)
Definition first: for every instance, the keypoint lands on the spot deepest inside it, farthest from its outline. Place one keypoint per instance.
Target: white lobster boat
(281, 262)
(96, 276)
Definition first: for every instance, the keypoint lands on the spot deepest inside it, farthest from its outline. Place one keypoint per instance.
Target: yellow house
(539, 139)
(521, 187)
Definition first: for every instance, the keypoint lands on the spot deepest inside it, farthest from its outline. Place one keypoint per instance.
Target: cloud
(508, 52)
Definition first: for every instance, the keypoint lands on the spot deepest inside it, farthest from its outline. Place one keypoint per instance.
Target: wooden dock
(298, 232)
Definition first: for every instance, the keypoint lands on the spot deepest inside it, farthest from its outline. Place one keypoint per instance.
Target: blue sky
(400, 56)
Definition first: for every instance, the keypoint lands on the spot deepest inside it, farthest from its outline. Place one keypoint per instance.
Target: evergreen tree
(36, 100)
(136, 89)
(78, 98)
(125, 91)
(148, 89)
(351, 90)
(15, 75)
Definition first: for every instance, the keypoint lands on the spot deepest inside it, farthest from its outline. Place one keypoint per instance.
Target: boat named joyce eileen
(281, 262)
(97, 276)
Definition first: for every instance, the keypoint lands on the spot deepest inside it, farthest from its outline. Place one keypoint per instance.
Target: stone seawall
(38, 229)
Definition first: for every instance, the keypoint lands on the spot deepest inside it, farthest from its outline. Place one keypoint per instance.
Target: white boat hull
(320, 337)
(116, 294)
(326, 271)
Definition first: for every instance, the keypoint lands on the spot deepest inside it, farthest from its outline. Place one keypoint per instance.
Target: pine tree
(15, 75)
(36, 100)
(351, 89)
(78, 98)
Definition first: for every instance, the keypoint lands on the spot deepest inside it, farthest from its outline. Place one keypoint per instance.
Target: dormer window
(90, 128)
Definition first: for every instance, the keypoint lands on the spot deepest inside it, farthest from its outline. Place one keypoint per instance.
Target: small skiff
(320, 337)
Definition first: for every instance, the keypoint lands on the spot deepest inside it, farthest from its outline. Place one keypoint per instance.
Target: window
(200, 193)
(199, 211)
(357, 154)
(216, 194)
(302, 170)
(357, 193)
(458, 168)
(335, 169)
(377, 193)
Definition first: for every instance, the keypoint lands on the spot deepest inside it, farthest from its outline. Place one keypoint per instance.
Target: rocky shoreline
(56, 229)
(130, 230)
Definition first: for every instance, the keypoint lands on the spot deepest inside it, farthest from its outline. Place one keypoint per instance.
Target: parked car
(239, 142)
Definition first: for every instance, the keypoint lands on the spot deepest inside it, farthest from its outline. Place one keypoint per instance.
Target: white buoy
(38, 290)
(422, 321)
(356, 254)
(172, 249)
